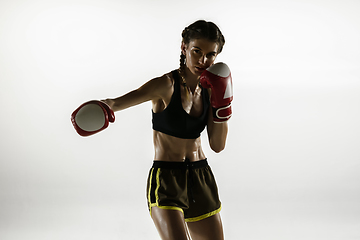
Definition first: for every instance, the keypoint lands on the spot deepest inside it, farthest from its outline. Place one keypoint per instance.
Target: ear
(183, 48)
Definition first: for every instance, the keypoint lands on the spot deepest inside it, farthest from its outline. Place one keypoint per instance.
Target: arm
(217, 133)
(153, 90)
(217, 79)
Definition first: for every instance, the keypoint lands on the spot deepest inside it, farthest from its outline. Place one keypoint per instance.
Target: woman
(181, 189)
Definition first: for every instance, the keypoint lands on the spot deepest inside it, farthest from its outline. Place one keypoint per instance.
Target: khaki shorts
(188, 187)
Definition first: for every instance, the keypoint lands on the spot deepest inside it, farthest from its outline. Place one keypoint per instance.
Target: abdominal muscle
(173, 149)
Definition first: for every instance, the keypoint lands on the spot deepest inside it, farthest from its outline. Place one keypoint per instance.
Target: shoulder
(161, 84)
(159, 87)
(165, 81)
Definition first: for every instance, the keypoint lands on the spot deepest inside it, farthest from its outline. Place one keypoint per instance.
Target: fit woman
(181, 189)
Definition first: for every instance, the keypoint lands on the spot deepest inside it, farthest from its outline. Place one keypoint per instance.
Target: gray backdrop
(291, 166)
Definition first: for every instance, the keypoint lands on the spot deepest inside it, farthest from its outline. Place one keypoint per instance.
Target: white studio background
(291, 166)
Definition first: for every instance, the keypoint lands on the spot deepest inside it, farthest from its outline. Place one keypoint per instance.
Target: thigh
(207, 229)
(170, 224)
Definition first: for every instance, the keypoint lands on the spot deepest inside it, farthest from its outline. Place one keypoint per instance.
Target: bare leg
(207, 229)
(170, 224)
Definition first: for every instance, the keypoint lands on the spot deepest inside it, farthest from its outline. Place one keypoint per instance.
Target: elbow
(217, 137)
(217, 134)
(217, 147)
(217, 150)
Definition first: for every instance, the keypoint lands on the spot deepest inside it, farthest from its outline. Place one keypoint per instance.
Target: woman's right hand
(109, 102)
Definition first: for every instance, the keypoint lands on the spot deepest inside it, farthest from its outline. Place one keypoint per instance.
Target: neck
(192, 81)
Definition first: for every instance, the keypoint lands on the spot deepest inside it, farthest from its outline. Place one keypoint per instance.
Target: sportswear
(189, 187)
(175, 121)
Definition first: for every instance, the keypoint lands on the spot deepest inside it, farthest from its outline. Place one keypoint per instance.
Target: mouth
(200, 69)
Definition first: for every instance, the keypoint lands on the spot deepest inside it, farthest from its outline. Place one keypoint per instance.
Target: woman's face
(200, 54)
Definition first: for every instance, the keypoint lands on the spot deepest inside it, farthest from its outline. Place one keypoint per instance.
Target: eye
(197, 51)
(211, 55)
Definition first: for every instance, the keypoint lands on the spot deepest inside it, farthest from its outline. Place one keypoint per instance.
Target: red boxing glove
(92, 117)
(218, 78)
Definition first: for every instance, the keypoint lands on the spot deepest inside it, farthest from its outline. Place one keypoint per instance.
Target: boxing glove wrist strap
(222, 114)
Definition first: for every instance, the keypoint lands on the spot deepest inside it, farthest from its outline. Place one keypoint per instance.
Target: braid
(181, 71)
(182, 63)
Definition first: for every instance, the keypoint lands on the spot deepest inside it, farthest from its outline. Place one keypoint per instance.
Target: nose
(202, 59)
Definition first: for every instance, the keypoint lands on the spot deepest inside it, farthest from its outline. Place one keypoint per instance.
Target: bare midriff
(173, 149)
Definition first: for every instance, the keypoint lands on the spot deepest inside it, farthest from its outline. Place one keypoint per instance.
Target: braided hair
(200, 29)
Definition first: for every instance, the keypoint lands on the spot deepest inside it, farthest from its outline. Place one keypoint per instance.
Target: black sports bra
(175, 121)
